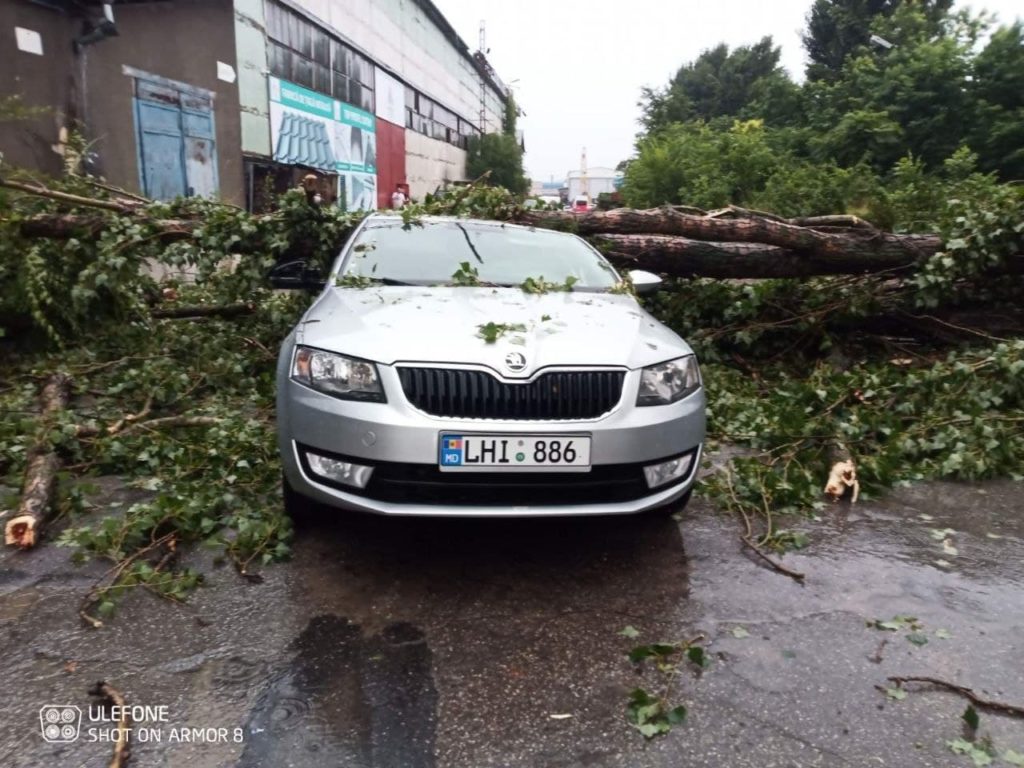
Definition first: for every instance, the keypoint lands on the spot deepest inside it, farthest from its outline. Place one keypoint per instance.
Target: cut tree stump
(36, 503)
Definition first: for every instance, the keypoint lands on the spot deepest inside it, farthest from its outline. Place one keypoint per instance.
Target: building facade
(243, 98)
(145, 83)
(597, 181)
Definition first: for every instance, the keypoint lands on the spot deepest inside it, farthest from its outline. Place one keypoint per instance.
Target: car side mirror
(644, 282)
(297, 275)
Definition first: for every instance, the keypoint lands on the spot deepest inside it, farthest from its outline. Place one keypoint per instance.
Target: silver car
(455, 367)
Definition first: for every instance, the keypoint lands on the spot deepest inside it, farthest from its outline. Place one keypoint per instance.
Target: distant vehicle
(398, 392)
(581, 205)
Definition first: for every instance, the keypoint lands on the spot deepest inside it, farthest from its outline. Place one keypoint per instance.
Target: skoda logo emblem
(515, 361)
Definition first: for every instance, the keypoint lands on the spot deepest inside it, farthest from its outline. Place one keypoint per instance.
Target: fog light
(344, 472)
(667, 471)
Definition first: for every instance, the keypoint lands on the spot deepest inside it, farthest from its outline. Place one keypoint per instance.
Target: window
(306, 54)
(426, 116)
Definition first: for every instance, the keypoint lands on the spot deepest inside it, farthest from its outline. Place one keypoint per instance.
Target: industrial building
(241, 98)
(591, 182)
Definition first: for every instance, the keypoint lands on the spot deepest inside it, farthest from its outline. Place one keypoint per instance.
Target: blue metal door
(177, 150)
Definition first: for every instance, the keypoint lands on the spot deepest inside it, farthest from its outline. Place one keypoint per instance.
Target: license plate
(510, 452)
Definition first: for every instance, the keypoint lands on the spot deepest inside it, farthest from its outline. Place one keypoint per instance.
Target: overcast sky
(580, 64)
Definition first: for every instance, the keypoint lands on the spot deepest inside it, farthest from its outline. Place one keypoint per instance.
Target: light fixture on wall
(94, 30)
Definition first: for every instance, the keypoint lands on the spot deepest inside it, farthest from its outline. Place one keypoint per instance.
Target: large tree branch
(739, 227)
(686, 257)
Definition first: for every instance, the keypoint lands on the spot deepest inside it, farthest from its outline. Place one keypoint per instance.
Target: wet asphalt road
(452, 643)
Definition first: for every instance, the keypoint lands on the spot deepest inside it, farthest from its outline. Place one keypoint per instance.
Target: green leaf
(943, 634)
(918, 638)
(740, 632)
(630, 632)
(960, 746)
(896, 693)
(676, 715)
(1013, 758)
(970, 716)
(697, 655)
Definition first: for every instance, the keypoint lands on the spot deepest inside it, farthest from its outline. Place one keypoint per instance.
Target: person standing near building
(398, 199)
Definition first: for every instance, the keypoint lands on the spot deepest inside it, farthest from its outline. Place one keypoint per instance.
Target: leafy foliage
(651, 715)
(492, 331)
(500, 156)
(845, 139)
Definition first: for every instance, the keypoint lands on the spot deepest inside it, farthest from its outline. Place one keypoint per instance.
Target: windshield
(467, 253)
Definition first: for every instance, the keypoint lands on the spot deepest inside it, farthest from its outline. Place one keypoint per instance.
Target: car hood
(390, 324)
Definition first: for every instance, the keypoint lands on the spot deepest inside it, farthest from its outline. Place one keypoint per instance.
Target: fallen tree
(855, 242)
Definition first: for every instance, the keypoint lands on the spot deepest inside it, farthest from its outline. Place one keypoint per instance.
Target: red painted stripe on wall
(390, 160)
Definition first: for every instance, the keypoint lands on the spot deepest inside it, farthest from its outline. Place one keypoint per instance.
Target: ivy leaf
(676, 715)
(697, 655)
(1013, 758)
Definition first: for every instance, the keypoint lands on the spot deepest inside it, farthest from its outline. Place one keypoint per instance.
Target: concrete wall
(181, 41)
(251, 52)
(430, 163)
(400, 36)
(49, 81)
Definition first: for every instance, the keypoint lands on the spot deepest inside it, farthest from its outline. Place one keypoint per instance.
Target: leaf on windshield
(466, 274)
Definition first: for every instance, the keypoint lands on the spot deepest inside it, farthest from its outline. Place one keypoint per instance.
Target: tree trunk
(24, 528)
(683, 257)
(873, 249)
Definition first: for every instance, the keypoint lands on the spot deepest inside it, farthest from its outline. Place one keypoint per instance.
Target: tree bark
(214, 310)
(866, 246)
(36, 504)
(685, 257)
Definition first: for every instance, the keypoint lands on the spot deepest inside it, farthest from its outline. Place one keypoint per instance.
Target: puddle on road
(347, 699)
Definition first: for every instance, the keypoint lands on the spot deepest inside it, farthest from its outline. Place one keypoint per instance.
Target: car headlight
(665, 383)
(337, 375)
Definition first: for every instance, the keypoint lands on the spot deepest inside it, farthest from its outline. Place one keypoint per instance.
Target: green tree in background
(910, 98)
(836, 29)
(719, 83)
(499, 153)
(885, 131)
(997, 132)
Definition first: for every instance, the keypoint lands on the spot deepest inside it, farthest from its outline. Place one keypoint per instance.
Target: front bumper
(401, 442)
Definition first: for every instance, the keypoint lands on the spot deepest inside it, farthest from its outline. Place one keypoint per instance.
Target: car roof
(390, 218)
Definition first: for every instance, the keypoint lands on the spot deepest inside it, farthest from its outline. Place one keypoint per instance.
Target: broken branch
(967, 693)
(110, 697)
(36, 504)
(226, 310)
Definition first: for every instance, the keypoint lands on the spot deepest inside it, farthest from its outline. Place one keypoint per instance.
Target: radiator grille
(471, 394)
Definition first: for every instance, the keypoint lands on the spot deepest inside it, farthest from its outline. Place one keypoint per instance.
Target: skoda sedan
(455, 367)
